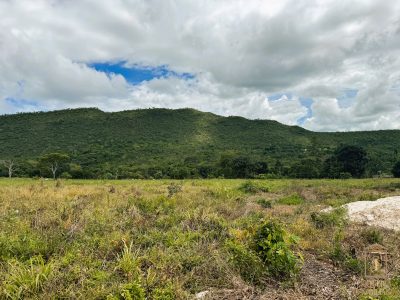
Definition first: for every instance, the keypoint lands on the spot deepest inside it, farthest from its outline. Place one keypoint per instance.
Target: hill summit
(156, 139)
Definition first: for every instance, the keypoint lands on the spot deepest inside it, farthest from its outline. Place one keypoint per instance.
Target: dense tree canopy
(162, 143)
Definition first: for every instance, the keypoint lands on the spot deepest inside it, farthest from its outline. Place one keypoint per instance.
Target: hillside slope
(154, 137)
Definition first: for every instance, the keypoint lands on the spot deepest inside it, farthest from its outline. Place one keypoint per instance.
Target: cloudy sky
(325, 65)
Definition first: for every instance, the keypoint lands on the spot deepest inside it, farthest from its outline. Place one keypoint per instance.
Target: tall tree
(346, 159)
(10, 165)
(396, 170)
(53, 161)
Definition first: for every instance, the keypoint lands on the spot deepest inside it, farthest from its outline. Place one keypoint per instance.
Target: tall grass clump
(25, 279)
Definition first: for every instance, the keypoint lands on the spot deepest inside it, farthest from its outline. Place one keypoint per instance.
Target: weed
(372, 235)
(128, 263)
(273, 247)
(24, 279)
(264, 203)
(335, 217)
(250, 187)
(173, 189)
(247, 262)
(293, 199)
(166, 292)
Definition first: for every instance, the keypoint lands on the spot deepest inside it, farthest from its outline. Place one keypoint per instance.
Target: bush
(273, 248)
(345, 175)
(332, 218)
(293, 199)
(251, 188)
(173, 189)
(132, 291)
(372, 236)
(164, 293)
(264, 203)
(396, 170)
(245, 261)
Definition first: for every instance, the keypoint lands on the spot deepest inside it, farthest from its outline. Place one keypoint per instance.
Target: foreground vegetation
(231, 239)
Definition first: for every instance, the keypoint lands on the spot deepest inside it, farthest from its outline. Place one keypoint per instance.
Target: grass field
(166, 239)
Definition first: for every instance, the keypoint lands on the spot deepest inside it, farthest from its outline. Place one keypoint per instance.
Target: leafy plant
(335, 217)
(293, 199)
(173, 189)
(372, 236)
(264, 203)
(247, 262)
(272, 245)
(250, 187)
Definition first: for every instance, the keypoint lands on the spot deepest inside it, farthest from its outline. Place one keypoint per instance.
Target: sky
(325, 65)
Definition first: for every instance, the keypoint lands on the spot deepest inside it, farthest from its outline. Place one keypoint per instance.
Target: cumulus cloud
(240, 52)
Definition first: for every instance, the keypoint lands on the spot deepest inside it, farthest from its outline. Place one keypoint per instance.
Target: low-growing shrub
(272, 245)
(293, 199)
(250, 187)
(264, 203)
(166, 292)
(372, 236)
(248, 264)
(353, 265)
(335, 217)
(173, 189)
(132, 291)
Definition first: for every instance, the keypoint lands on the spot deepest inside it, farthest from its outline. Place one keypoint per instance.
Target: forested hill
(156, 139)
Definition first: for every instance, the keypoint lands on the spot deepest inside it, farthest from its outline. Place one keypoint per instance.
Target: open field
(165, 239)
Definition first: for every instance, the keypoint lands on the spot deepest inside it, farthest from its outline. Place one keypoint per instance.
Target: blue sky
(137, 74)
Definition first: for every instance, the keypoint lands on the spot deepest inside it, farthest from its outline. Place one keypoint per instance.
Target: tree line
(346, 162)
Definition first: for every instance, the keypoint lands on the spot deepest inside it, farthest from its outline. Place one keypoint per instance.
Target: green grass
(165, 239)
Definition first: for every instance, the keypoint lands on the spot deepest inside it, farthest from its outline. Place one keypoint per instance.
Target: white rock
(201, 295)
(384, 212)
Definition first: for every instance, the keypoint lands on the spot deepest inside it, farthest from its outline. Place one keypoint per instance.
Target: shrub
(264, 203)
(245, 261)
(173, 189)
(164, 293)
(132, 291)
(396, 170)
(250, 187)
(345, 175)
(273, 248)
(331, 218)
(353, 265)
(372, 236)
(293, 199)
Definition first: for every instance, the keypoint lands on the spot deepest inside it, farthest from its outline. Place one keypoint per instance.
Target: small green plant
(27, 278)
(248, 264)
(166, 292)
(173, 189)
(336, 217)
(372, 236)
(250, 187)
(395, 282)
(128, 263)
(264, 203)
(272, 245)
(353, 265)
(293, 199)
(132, 291)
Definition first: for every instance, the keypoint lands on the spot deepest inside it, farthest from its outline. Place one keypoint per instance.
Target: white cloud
(241, 52)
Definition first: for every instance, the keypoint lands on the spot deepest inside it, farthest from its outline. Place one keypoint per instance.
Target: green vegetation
(164, 239)
(185, 143)
(396, 170)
